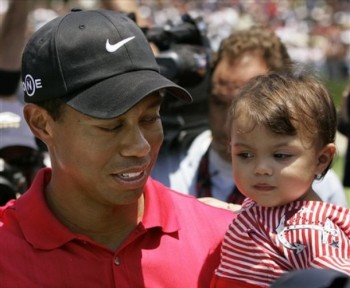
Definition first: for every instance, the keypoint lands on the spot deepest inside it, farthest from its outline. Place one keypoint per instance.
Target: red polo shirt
(177, 244)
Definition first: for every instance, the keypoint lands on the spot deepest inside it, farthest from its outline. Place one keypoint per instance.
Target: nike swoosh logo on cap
(112, 48)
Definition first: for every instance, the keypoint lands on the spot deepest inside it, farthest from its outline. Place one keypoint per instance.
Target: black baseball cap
(99, 62)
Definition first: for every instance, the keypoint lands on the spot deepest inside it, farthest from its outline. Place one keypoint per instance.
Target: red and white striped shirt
(262, 243)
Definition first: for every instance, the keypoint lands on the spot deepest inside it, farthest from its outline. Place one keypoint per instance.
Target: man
(204, 170)
(96, 218)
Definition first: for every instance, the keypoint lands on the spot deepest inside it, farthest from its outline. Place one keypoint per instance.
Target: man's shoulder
(9, 224)
(7, 209)
(190, 206)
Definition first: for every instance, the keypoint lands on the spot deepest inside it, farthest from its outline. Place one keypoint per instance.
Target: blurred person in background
(335, 54)
(20, 157)
(130, 6)
(204, 169)
(344, 128)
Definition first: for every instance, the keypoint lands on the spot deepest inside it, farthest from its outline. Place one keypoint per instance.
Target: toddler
(282, 129)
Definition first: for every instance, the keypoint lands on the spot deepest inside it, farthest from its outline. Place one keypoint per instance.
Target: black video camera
(184, 50)
(184, 57)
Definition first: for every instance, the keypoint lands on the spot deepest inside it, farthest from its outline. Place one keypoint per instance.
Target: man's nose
(134, 143)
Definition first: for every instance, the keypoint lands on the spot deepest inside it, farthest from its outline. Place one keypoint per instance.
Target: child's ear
(38, 121)
(325, 157)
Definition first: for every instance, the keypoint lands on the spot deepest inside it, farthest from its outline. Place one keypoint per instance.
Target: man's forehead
(232, 75)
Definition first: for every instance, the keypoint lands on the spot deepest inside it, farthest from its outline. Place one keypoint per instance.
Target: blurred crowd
(316, 32)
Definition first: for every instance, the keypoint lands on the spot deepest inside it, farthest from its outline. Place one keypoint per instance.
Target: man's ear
(38, 121)
(325, 157)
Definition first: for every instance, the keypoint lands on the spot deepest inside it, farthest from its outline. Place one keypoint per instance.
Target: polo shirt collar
(160, 210)
(39, 225)
(44, 231)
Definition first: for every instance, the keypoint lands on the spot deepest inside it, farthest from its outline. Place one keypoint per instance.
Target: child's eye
(282, 156)
(245, 155)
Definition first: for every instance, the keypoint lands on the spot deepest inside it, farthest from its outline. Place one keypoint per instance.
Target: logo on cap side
(30, 85)
(114, 47)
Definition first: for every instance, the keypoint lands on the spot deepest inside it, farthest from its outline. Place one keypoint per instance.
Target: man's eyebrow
(156, 101)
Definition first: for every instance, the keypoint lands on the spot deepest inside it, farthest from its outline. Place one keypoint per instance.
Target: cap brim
(116, 95)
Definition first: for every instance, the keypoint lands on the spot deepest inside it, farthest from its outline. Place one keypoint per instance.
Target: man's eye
(111, 129)
(151, 119)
